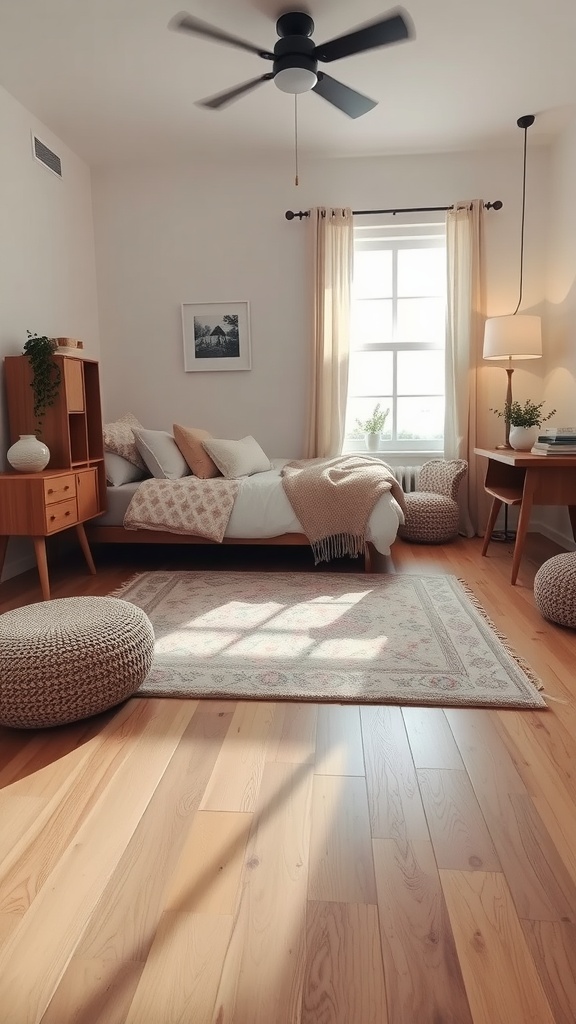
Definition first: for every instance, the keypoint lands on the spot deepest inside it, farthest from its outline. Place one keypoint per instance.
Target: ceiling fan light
(295, 80)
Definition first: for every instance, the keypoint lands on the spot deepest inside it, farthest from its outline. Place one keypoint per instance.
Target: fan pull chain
(296, 139)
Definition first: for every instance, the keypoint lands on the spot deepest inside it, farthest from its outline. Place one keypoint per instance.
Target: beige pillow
(119, 438)
(189, 441)
(161, 454)
(237, 458)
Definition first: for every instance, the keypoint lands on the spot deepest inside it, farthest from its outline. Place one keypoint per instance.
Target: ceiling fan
(295, 57)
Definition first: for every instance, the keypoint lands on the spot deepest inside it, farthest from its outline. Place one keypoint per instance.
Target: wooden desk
(520, 478)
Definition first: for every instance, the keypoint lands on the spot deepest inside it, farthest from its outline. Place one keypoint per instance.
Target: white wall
(47, 269)
(212, 232)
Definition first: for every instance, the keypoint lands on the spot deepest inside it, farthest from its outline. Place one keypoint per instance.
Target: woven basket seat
(555, 589)
(67, 659)
(432, 512)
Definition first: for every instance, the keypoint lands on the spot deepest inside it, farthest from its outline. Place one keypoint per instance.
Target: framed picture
(216, 336)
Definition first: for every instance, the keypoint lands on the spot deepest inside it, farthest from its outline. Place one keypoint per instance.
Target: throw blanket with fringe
(189, 505)
(334, 498)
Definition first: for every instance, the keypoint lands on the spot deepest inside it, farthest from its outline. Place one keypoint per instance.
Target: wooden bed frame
(118, 535)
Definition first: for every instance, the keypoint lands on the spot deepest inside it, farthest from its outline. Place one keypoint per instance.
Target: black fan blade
(222, 99)
(391, 29)
(351, 102)
(186, 23)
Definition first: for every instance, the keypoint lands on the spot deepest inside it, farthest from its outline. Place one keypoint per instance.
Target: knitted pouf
(430, 518)
(71, 658)
(555, 589)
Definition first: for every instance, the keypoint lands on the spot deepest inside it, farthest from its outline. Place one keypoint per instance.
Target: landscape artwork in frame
(216, 335)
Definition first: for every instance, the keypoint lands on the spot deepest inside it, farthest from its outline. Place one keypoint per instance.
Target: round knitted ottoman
(430, 518)
(555, 589)
(71, 658)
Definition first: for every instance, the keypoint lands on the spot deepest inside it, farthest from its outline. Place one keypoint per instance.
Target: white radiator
(407, 476)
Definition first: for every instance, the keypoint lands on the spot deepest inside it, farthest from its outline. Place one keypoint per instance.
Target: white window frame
(413, 232)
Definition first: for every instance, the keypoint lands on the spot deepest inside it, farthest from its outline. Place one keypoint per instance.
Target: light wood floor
(253, 863)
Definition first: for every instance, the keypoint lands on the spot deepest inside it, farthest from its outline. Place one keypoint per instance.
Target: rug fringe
(126, 585)
(528, 672)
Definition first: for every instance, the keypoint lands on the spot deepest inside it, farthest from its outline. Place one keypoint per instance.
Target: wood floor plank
(125, 920)
(295, 736)
(180, 979)
(235, 781)
(341, 863)
(459, 834)
(424, 982)
(344, 981)
(553, 948)
(35, 955)
(396, 810)
(501, 980)
(263, 970)
(431, 740)
(94, 992)
(18, 814)
(339, 741)
(207, 877)
(25, 870)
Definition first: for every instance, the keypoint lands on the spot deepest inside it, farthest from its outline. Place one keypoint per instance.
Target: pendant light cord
(295, 138)
(523, 122)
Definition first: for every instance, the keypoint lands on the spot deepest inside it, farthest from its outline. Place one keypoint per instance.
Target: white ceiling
(110, 79)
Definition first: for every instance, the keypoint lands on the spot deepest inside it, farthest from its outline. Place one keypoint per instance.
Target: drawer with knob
(65, 513)
(59, 488)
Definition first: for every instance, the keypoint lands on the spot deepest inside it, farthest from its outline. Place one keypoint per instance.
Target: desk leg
(85, 547)
(496, 506)
(523, 521)
(3, 546)
(42, 563)
(572, 514)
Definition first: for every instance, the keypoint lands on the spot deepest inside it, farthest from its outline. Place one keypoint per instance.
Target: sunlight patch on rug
(342, 637)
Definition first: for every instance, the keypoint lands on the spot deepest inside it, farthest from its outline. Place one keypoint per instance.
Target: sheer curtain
(464, 333)
(333, 256)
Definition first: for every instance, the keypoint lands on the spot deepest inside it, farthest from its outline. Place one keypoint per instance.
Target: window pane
(362, 409)
(420, 373)
(420, 418)
(421, 320)
(421, 271)
(373, 274)
(370, 372)
(371, 322)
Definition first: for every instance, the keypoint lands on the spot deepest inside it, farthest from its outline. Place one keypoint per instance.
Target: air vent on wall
(47, 157)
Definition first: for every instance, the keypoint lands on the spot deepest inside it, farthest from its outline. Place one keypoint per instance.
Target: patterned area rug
(341, 637)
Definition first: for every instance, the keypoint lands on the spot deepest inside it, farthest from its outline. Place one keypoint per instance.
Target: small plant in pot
(524, 421)
(46, 374)
(372, 427)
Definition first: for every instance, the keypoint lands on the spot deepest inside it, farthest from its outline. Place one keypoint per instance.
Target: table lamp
(516, 336)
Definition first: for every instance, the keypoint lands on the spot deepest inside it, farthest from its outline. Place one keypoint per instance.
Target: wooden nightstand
(38, 505)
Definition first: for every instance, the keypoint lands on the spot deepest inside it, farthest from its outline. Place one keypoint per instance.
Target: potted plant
(372, 427)
(45, 374)
(524, 421)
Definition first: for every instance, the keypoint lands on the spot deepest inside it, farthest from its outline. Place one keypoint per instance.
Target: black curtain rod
(497, 205)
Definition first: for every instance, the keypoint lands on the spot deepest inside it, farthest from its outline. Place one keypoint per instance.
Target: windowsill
(401, 456)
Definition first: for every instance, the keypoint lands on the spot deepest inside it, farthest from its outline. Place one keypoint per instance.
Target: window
(398, 335)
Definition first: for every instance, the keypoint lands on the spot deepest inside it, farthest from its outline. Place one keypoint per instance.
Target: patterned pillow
(189, 441)
(119, 438)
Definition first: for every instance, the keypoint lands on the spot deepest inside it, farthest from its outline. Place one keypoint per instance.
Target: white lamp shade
(513, 337)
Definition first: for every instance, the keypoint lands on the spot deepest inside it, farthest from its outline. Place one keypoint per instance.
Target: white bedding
(262, 510)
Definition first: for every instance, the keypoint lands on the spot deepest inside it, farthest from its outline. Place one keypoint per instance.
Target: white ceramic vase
(522, 438)
(372, 442)
(28, 455)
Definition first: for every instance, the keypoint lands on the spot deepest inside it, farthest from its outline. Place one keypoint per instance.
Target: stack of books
(556, 441)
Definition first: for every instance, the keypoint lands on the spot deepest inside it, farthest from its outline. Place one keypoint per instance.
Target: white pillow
(237, 458)
(119, 471)
(161, 454)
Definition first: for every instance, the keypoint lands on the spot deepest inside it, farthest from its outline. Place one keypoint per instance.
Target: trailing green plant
(374, 424)
(527, 415)
(46, 374)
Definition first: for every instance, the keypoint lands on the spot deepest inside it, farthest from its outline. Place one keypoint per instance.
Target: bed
(261, 514)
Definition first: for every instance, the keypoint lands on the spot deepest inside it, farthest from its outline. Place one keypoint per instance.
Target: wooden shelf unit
(72, 427)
